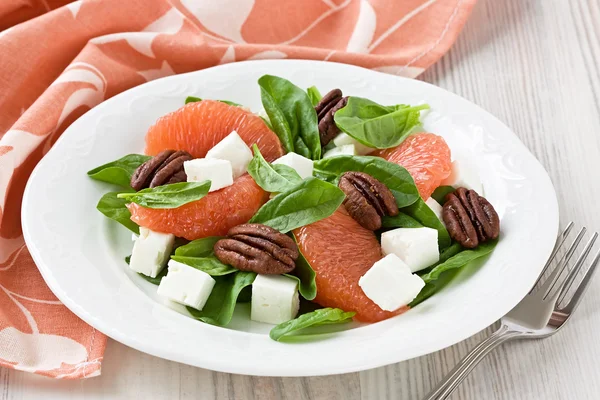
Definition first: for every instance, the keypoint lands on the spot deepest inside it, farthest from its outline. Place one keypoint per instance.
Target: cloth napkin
(59, 58)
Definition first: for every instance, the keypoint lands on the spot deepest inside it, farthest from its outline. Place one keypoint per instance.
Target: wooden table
(535, 64)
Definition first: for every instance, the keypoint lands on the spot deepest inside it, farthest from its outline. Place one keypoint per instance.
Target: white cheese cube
(344, 139)
(417, 247)
(151, 252)
(274, 299)
(186, 285)
(464, 174)
(348, 149)
(390, 283)
(218, 172)
(435, 207)
(233, 149)
(302, 165)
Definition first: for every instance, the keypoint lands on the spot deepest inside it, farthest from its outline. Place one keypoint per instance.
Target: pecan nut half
(257, 248)
(367, 199)
(470, 218)
(325, 109)
(164, 168)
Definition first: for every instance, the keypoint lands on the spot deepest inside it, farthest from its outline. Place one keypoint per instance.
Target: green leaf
(424, 215)
(267, 123)
(460, 260)
(193, 99)
(155, 281)
(168, 196)
(116, 209)
(441, 192)
(245, 295)
(120, 171)
(210, 264)
(322, 316)
(292, 116)
(314, 95)
(309, 201)
(305, 275)
(198, 248)
(392, 175)
(268, 177)
(219, 307)
(400, 221)
(433, 287)
(375, 125)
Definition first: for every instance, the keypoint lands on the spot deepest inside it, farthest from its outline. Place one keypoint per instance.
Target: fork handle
(455, 377)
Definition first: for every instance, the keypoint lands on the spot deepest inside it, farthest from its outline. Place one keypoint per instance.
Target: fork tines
(560, 281)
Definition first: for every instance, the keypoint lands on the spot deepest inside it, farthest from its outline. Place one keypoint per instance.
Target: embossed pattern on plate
(80, 253)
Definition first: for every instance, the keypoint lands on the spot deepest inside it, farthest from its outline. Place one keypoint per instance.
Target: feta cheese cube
(151, 251)
(344, 139)
(349, 149)
(390, 283)
(186, 285)
(274, 299)
(464, 174)
(233, 149)
(417, 247)
(302, 165)
(435, 207)
(218, 172)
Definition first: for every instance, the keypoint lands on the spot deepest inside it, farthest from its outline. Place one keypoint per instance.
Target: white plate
(80, 252)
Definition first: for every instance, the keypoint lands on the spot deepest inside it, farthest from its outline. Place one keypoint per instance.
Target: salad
(333, 204)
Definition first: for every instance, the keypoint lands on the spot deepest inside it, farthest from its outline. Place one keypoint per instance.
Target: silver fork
(539, 315)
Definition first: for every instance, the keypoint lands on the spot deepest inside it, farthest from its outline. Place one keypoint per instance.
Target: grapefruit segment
(425, 156)
(212, 215)
(197, 127)
(341, 251)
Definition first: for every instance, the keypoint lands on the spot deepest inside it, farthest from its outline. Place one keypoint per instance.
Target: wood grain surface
(535, 64)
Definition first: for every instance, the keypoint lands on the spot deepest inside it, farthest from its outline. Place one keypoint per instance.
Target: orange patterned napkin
(58, 64)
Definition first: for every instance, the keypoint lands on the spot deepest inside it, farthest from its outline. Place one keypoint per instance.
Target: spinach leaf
(305, 276)
(440, 193)
(424, 215)
(314, 95)
(193, 99)
(309, 201)
(154, 281)
(433, 287)
(120, 171)
(267, 123)
(392, 175)
(375, 125)
(168, 196)
(292, 115)
(460, 260)
(267, 175)
(219, 307)
(115, 208)
(321, 316)
(245, 295)
(451, 260)
(400, 221)
(210, 264)
(198, 248)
